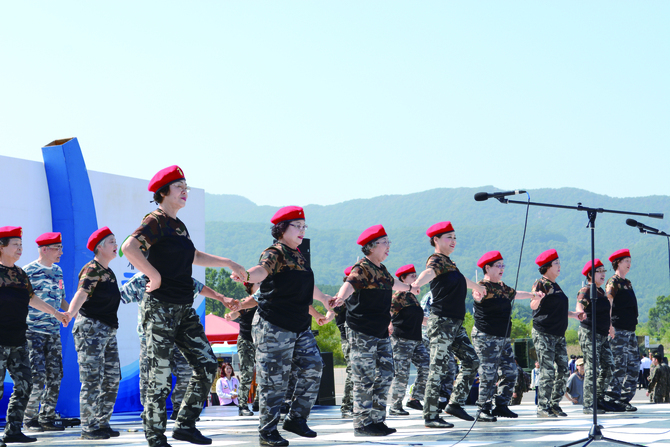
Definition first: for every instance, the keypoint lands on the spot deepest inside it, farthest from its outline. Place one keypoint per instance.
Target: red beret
(165, 177)
(372, 233)
(288, 213)
(439, 228)
(97, 236)
(347, 270)
(11, 232)
(587, 266)
(546, 257)
(488, 258)
(405, 269)
(48, 239)
(623, 253)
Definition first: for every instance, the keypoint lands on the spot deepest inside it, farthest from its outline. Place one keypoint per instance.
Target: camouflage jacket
(47, 284)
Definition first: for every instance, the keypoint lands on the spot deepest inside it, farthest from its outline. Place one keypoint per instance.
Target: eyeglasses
(55, 247)
(299, 227)
(499, 266)
(386, 242)
(182, 188)
(601, 270)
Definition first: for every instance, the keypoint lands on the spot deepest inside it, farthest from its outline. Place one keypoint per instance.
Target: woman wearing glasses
(605, 360)
(490, 336)
(367, 293)
(281, 329)
(168, 317)
(550, 320)
(445, 327)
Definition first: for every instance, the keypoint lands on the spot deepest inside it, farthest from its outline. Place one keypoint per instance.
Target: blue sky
(307, 102)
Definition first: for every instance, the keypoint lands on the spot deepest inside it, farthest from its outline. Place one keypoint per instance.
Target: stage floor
(650, 426)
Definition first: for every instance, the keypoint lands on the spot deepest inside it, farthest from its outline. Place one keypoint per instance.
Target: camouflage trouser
(167, 326)
(404, 352)
(372, 373)
(246, 352)
(347, 398)
(660, 395)
(626, 366)
(552, 354)
(15, 360)
(180, 370)
(605, 363)
(277, 352)
(447, 382)
(290, 388)
(488, 348)
(46, 364)
(448, 336)
(99, 371)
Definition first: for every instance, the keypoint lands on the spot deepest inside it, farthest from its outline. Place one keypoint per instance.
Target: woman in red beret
(282, 329)
(605, 360)
(445, 326)
(167, 310)
(490, 337)
(407, 343)
(97, 302)
(624, 344)
(367, 293)
(16, 294)
(550, 320)
(347, 407)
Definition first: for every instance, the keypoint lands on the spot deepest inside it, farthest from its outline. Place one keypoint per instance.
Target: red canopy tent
(219, 329)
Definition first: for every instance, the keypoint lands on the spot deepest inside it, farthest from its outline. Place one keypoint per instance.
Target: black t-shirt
(407, 316)
(602, 309)
(449, 287)
(368, 308)
(624, 304)
(103, 295)
(493, 313)
(551, 316)
(15, 293)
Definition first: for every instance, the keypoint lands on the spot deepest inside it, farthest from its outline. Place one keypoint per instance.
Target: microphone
(641, 226)
(481, 196)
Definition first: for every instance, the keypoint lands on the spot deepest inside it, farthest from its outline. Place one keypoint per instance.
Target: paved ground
(649, 426)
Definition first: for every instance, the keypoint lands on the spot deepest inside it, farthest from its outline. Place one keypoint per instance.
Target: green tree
(219, 281)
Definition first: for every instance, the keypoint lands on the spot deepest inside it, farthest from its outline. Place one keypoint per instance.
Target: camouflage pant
(489, 348)
(605, 363)
(372, 373)
(46, 364)
(180, 370)
(292, 383)
(404, 352)
(626, 366)
(99, 371)
(167, 326)
(246, 352)
(347, 399)
(448, 336)
(552, 354)
(447, 382)
(277, 352)
(15, 360)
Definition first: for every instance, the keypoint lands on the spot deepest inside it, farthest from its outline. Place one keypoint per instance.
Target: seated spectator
(575, 386)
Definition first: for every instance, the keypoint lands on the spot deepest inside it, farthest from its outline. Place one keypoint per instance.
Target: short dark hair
(544, 268)
(490, 264)
(432, 239)
(279, 229)
(4, 241)
(162, 193)
(367, 248)
(223, 369)
(616, 262)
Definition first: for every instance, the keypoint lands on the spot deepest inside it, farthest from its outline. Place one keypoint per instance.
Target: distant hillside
(239, 229)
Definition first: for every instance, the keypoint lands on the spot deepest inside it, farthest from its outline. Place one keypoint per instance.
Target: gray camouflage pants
(99, 371)
(180, 370)
(488, 348)
(46, 364)
(246, 352)
(406, 352)
(167, 326)
(552, 354)
(372, 373)
(277, 351)
(447, 383)
(15, 360)
(626, 366)
(448, 336)
(347, 398)
(605, 364)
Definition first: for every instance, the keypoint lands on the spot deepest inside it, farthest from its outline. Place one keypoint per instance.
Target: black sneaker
(299, 427)
(111, 432)
(545, 413)
(95, 434)
(486, 416)
(558, 411)
(398, 412)
(459, 412)
(589, 410)
(368, 430)
(285, 407)
(192, 435)
(414, 404)
(381, 426)
(54, 425)
(33, 425)
(18, 437)
(244, 411)
(437, 422)
(272, 438)
(503, 411)
(629, 407)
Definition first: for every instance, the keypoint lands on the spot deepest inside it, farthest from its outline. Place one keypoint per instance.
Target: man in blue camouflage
(43, 335)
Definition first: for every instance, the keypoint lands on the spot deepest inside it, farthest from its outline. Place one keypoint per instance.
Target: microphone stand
(595, 433)
(658, 233)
